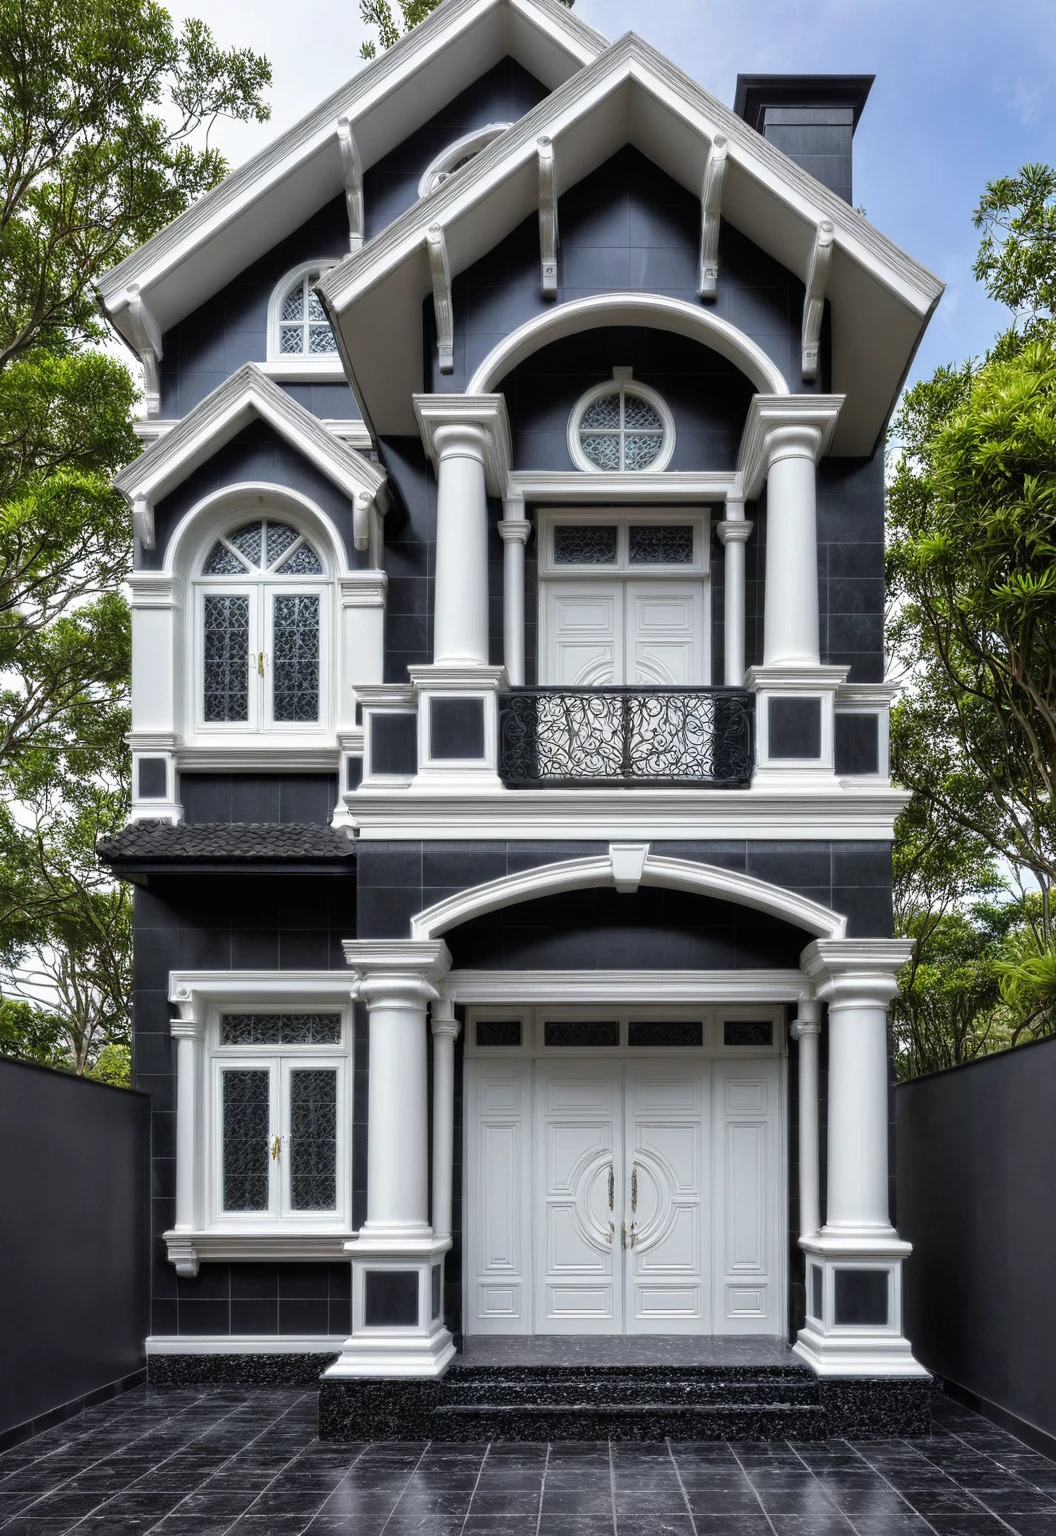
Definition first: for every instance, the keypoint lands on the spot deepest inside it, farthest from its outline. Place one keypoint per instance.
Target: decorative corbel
(711, 215)
(442, 304)
(814, 300)
(143, 521)
(352, 171)
(145, 337)
(628, 865)
(548, 234)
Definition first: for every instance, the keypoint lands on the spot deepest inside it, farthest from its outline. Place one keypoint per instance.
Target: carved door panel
(584, 627)
(664, 633)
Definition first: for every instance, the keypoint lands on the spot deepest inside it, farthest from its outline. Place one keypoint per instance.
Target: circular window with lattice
(621, 426)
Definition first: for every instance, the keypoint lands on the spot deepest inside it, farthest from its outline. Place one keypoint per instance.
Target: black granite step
(650, 1421)
(630, 1387)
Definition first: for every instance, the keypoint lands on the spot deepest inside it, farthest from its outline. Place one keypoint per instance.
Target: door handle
(612, 1188)
(634, 1190)
(623, 1234)
(260, 663)
(276, 1147)
(612, 1230)
(633, 1234)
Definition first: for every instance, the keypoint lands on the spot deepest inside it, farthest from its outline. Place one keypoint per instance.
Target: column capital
(734, 530)
(515, 530)
(187, 1028)
(468, 424)
(862, 972)
(807, 1021)
(400, 973)
(779, 426)
(442, 1017)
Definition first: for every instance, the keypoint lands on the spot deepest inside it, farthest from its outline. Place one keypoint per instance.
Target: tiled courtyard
(220, 1462)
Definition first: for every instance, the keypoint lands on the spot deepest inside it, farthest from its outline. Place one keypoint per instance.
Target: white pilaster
(734, 532)
(854, 1264)
(515, 531)
(446, 1030)
(806, 1031)
(189, 1033)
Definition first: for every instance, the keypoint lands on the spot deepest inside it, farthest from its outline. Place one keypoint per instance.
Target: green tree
(394, 20)
(105, 112)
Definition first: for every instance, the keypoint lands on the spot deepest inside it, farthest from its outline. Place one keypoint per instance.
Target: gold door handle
(276, 1147)
(612, 1230)
(612, 1188)
(634, 1234)
(634, 1191)
(260, 663)
(623, 1234)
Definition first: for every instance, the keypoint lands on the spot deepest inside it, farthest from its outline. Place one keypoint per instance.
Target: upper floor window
(456, 155)
(298, 325)
(262, 619)
(621, 426)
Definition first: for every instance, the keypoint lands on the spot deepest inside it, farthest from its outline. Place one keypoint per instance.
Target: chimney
(811, 118)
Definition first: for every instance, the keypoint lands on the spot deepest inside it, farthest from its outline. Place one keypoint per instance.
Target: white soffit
(278, 189)
(881, 298)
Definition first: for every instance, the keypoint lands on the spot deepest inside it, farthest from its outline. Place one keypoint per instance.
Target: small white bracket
(814, 300)
(442, 303)
(146, 340)
(628, 865)
(711, 216)
(352, 171)
(548, 230)
(143, 521)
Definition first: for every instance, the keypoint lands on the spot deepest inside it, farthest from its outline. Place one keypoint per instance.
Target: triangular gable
(329, 149)
(246, 396)
(880, 297)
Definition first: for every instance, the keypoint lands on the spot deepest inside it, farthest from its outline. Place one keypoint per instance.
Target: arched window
(621, 426)
(456, 155)
(298, 326)
(262, 625)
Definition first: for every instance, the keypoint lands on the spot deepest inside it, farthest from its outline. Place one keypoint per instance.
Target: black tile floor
(221, 1462)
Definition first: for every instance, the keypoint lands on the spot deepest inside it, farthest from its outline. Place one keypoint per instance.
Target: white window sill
(187, 1250)
(307, 370)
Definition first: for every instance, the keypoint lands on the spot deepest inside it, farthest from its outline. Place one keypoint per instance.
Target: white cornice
(487, 412)
(626, 488)
(524, 988)
(770, 414)
(247, 394)
(192, 992)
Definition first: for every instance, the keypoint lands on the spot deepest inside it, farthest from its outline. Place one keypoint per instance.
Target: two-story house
(512, 822)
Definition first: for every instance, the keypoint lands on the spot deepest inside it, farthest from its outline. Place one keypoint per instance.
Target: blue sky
(965, 91)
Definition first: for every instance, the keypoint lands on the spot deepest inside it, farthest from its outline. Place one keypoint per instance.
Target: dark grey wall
(977, 1199)
(258, 797)
(73, 1201)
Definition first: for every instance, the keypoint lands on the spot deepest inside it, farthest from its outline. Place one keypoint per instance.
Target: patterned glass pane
(639, 415)
(295, 645)
(603, 414)
(499, 1032)
(656, 1035)
(246, 1115)
(303, 562)
(640, 452)
(321, 339)
(589, 1032)
(280, 537)
(291, 339)
(293, 304)
(602, 451)
(747, 1032)
(247, 541)
(672, 545)
(280, 1029)
(225, 654)
(590, 544)
(315, 307)
(313, 1140)
(222, 562)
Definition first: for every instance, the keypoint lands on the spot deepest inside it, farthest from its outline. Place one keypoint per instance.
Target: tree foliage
(392, 20)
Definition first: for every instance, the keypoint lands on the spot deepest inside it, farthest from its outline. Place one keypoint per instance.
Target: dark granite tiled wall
(257, 797)
(410, 557)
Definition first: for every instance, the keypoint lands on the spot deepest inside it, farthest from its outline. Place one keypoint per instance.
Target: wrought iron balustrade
(576, 738)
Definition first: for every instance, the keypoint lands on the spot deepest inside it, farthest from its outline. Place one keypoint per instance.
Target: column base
(398, 1325)
(854, 1306)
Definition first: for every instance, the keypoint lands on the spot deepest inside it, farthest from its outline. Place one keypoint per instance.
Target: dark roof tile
(272, 842)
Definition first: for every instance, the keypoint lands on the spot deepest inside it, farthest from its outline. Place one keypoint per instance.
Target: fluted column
(515, 531)
(806, 1031)
(734, 532)
(446, 1030)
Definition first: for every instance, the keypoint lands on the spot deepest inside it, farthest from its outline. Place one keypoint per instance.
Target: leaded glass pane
(315, 306)
(321, 339)
(223, 562)
(593, 1032)
(313, 1140)
(603, 414)
(661, 545)
(246, 1127)
(499, 1032)
(280, 537)
(640, 452)
(747, 1032)
(280, 1029)
(291, 339)
(654, 1036)
(293, 304)
(295, 646)
(247, 541)
(639, 415)
(602, 451)
(303, 562)
(584, 544)
(225, 655)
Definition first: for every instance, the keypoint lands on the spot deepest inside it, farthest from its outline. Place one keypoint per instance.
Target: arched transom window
(621, 426)
(303, 329)
(261, 627)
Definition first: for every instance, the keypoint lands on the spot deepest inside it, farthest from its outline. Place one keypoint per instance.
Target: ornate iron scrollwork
(576, 737)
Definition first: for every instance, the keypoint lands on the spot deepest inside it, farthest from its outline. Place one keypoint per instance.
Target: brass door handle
(260, 663)
(612, 1188)
(276, 1147)
(634, 1234)
(634, 1190)
(623, 1234)
(612, 1230)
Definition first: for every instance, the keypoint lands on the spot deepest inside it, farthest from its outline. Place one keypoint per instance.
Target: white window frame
(291, 366)
(622, 381)
(439, 169)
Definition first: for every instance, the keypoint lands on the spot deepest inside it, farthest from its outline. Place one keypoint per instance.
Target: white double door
(623, 1196)
(598, 633)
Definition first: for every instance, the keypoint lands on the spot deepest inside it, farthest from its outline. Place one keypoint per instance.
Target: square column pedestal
(397, 1310)
(854, 1307)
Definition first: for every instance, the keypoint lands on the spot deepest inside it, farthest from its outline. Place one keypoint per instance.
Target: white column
(398, 1106)
(445, 1029)
(858, 1088)
(515, 531)
(188, 1034)
(790, 626)
(460, 613)
(734, 532)
(806, 1031)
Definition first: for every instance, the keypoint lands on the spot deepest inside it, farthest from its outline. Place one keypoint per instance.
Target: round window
(622, 427)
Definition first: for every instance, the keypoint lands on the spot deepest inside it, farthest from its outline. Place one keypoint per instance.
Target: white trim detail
(814, 299)
(622, 383)
(242, 1344)
(524, 989)
(440, 170)
(672, 874)
(711, 216)
(443, 307)
(352, 171)
(548, 224)
(655, 311)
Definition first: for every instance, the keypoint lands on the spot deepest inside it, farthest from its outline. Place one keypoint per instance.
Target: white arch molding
(626, 866)
(654, 312)
(199, 526)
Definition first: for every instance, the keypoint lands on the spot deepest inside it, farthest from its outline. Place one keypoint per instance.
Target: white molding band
(243, 1344)
(637, 988)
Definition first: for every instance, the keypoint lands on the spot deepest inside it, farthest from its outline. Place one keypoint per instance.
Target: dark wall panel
(262, 797)
(73, 1201)
(976, 1198)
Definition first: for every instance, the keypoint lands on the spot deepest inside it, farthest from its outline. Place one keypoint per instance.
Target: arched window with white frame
(262, 622)
(297, 323)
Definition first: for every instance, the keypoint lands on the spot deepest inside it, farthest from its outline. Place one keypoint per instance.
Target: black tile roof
(159, 842)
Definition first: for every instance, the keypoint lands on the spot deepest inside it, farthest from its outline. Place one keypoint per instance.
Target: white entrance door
(602, 633)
